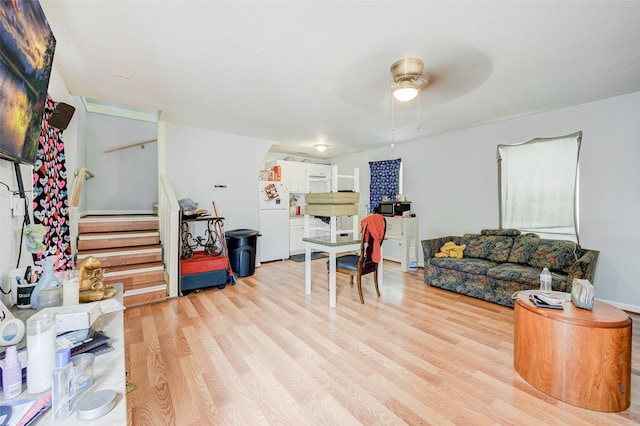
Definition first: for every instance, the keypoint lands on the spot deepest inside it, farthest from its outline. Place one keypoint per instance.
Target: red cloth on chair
(375, 226)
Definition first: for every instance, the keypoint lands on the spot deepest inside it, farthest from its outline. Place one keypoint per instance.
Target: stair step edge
(119, 218)
(145, 290)
(117, 235)
(117, 252)
(135, 269)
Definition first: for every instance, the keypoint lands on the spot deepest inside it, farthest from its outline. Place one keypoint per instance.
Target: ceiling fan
(408, 79)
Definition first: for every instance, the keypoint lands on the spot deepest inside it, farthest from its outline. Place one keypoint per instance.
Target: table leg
(307, 269)
(332, 279)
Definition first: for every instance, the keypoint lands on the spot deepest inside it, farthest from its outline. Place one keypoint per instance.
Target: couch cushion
(469, 265)
(557, 255)
(502, 232)
(490, 247)
(526, 276)
(521, 274)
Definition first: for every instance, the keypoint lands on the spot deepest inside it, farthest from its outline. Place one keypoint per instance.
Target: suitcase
(203, 271)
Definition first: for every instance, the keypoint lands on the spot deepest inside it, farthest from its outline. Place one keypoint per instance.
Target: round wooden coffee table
(577, 356)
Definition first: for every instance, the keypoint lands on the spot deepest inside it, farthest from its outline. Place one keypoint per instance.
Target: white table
(108, 372)
(342, 244)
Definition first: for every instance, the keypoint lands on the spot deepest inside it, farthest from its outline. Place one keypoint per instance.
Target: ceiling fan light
(321, 147)
(406, 67)
(405, 92)
(408, 79)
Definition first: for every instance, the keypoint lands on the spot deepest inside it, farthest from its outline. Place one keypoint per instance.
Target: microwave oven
(393, 208)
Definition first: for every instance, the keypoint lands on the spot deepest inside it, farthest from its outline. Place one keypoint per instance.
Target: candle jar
(41, 352)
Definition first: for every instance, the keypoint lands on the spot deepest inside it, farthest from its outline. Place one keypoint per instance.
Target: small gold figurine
(92, 287)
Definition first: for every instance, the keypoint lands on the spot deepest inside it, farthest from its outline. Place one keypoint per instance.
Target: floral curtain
(50, 200)
(384, 180)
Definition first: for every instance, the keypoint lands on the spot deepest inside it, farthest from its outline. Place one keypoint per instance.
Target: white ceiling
(304, 72)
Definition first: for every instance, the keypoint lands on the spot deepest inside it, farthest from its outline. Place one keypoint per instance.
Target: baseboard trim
(623, 306)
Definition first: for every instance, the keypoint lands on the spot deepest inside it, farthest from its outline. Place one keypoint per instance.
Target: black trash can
(241, 247)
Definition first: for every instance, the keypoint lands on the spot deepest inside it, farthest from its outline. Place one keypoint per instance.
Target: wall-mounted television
(26, 55)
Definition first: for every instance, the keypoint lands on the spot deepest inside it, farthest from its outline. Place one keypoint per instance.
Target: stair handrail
(82, 175)
(142, 144)
(169, 214)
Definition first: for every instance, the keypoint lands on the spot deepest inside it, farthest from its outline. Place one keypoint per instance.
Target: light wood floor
(261, 352)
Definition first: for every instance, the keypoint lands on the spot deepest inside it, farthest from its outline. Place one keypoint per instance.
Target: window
(538, 183)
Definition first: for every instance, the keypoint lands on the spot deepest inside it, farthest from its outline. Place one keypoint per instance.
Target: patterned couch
(498, 263)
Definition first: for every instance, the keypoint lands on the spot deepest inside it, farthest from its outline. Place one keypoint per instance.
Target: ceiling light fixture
(408, 79)
(321, 147)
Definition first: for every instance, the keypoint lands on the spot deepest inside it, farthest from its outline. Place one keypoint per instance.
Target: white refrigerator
(274, 221)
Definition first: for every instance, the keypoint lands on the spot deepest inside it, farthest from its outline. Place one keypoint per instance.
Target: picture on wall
(26, 56)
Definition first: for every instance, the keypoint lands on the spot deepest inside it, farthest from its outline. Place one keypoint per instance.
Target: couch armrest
(584, 267)
(432, 246)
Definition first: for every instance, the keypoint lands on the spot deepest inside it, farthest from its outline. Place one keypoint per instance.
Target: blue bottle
(48, 279)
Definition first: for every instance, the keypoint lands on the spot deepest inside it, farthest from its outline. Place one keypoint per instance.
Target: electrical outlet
(17, 206)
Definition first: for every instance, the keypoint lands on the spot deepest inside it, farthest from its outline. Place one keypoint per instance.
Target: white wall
(199, 159)
(452, 180)
(126, 179)
(11, 227)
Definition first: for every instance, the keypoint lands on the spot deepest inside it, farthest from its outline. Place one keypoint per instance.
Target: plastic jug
(48, 279)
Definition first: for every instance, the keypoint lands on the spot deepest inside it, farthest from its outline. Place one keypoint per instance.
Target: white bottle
(11, 374)
(545, 281)
(413, 263)
(63, 385)
(41, 352)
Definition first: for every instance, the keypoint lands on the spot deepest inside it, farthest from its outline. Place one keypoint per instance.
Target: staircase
(128, 248)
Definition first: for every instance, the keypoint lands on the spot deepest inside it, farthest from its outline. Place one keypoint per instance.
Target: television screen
(26, 55)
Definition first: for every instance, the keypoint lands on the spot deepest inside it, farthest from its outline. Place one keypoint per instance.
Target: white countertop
(108, 373)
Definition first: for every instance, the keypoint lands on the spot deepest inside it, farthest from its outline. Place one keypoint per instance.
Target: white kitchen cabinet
(293, 174)
(401, 240)
(296, 233)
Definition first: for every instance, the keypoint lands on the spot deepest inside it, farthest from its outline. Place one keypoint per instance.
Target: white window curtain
(538, 186)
